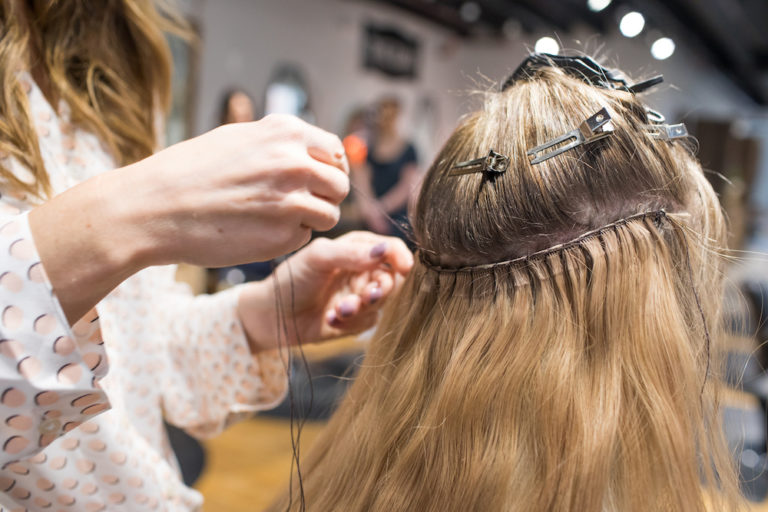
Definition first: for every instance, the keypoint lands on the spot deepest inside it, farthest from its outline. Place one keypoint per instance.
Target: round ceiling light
(598, 5)
(632, 24)
(662, 48)
(547, 45)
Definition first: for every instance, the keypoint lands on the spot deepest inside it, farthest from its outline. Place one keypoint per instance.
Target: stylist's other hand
(243, 192)
(329, 289)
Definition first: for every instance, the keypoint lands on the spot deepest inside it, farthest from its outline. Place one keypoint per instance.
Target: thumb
(360, 251)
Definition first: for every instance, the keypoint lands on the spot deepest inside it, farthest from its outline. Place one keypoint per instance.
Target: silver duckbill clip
(667, 131)
(594, 128)
(493, 163)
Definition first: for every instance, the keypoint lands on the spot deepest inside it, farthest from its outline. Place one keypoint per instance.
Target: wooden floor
(249, 465)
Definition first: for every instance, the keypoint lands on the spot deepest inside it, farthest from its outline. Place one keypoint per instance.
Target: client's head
(550, 349)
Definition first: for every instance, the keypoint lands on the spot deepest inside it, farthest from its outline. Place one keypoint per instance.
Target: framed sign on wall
(391, 52)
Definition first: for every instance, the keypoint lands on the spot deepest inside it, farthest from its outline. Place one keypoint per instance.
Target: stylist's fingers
(398, 256)
(326, 147)
(337, 326)
(326, 182)
(348, 306)
(337, 160)
(381, 285)
(359, 251)
(391, 250)
(317, 214)
(372, 286)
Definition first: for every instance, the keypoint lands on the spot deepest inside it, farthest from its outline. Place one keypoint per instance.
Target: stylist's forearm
(256, 310)
(243, 192)
(89, 239)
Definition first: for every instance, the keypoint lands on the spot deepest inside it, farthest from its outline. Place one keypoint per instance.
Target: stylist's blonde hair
(575, 380)
(107, 59)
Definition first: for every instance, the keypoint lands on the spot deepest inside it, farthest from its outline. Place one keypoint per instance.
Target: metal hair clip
(594, 128)
(654, 116)
(494, 162)
(578, 66)
(645, 84)
(667, 131)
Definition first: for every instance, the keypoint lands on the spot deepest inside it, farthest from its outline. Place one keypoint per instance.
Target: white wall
(243, 40)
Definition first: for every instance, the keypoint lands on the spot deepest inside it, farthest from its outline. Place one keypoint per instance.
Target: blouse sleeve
(49, 372)
(210, 376)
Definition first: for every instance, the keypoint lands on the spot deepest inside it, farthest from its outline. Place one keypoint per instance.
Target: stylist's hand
(330, 288)
(243, 192)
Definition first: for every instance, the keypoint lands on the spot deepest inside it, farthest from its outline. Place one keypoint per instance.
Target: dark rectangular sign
(391, 52)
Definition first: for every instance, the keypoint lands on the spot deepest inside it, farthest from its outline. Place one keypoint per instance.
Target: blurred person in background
(288, 93)
(98, 343)
(356, 134)
(236, 106)
(387, 182)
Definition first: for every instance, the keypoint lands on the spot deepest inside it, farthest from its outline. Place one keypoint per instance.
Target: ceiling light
(632, 24)
(547, 45)
(469, 12)
(662, 48)
(598, 5)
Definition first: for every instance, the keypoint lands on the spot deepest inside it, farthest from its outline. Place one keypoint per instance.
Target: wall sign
(391, 52)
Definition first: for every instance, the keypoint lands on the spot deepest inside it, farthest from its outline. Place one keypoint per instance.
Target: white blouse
(75, 436)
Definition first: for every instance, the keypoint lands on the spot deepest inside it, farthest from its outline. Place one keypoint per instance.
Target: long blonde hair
(107, 59)
(575, 379)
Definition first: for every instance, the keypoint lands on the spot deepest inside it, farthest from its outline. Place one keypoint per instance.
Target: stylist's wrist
(147, 214)
(254, 309)
(89, 239)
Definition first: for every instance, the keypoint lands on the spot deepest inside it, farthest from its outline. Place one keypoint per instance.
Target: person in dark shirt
(388, 181)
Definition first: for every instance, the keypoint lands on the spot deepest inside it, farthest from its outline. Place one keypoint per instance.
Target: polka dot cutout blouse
(75, 436)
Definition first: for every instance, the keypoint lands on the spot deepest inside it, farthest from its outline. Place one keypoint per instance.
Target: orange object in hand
(356, 148)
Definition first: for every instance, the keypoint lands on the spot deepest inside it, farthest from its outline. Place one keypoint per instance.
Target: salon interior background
(718, 71)
(432, 54)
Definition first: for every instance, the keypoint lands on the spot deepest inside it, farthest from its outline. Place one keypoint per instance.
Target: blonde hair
(572, 380)
(108, 60)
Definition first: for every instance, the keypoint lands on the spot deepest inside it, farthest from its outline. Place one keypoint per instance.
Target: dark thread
(280, 319)
(282, 343)
(305, 364)
(657, 214)
(282, 330)
(707, 338)
(405, 227)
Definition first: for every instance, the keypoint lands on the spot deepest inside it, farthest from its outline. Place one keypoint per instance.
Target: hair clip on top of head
(667, 131)
(578, 66)
(493, 163)
(592, 129)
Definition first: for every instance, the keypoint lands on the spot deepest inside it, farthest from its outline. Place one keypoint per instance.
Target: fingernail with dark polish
(376, 294)
(379, 250)
(332, 319)
(346, 309)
